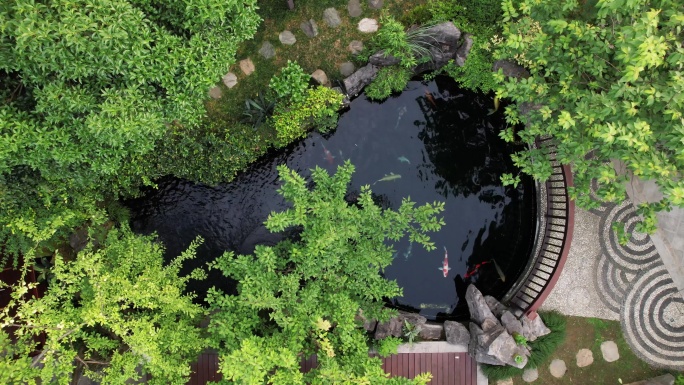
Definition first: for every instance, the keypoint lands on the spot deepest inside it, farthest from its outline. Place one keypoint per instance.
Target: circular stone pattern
(639, 253)
(651, 319)
(557, 368)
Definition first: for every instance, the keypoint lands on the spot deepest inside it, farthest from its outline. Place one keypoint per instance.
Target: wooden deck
(446, 368)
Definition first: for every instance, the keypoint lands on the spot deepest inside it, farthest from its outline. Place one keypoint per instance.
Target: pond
(432, 142)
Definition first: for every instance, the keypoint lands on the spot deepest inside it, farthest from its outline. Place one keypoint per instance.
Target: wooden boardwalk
(446, 368)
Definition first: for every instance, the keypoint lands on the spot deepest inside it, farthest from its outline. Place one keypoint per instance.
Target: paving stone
(356, 46)
(367, 25)
(508, 381)
(267, 50)
(354, 8)
(584, 358)
(557, 368)
(287, 37)
(665, 379)
(375, 4)
(247, 66)
(309, 28)
(320, 77)
(530, 375)
(610, 351)
(331, 17)
(347, 68)
(215, 92)
(230, 80)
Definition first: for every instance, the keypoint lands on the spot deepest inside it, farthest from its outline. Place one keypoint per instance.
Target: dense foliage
(306, 295)
(606, 82)
(115, 312)
(89, 89)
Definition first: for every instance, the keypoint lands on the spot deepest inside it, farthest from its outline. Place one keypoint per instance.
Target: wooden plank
(462, 369)
(437, 367)
(432, 363)
(452, 367)
(404, 365)
(418, 362)
(411, 366)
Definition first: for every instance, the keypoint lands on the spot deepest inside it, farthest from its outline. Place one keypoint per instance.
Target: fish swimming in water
(499, 271)
(387, 178)
(407, 254)
(341, 156)
(430, 98)
(474, 270)
(327, 155)
(402, 111)
(403, 159)
(496, 106)
(445, 264)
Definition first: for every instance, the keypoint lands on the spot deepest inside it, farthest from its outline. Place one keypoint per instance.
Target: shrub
(542, 349)
(388, 346)
(389, 80)
(291, 84)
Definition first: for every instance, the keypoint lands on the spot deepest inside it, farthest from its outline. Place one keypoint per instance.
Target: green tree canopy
(89, 88)
(113, 310)
(305, 295)
(607, 84)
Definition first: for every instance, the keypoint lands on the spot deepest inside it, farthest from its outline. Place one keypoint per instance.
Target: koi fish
(387, 178)
(341, 156)
(445, 264)
(407, 254)
(496, 106)
(430, 98)
(474, 270)
(403, 159)
(499, 271)
(327, 155)
(402, 111)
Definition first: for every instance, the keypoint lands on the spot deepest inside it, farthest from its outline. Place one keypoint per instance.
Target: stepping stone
(584, 358)
(287, 37)
(530, 375)
(354, 8)
(508, 381)
(215, 92)
(610, 351)
(367, 25)
(320, 77)
(557, 368)
(247, 66)
(309, 28)
(375, 4)
(355, 47)
(267, 50)
(347, 68)
(331, 17)
(230, 80)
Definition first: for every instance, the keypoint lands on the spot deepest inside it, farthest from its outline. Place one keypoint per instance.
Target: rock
(215, 92)
(345, 98)
(463, 51)
(359, 79)
(394, 327)
(505, 350)
(375, 4)
(557, 368)
(367, 25)
(380, 59)
(247, 66)
(507, 381)
(443, 41)
(354, 8)
(78, 240)
(287, 38)
(431, 332)
(347, 68)
(530, 375)
(310, 28)
(511, 69)
(356, 46)
(267, 50)
(331, 17)
(320, 77)
(456, 333)
(533, 328)
(610, 351)
(666, 379)
(584, 358)
(413, 318)
(229, 79)
(489, 324)
(477, 346)
(511, 323)
(479, 311)
(495, 306)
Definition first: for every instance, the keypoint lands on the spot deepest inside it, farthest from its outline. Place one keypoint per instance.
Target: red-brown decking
(446, 368)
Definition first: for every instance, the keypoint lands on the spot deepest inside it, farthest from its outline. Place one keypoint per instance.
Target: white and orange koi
(445, 264)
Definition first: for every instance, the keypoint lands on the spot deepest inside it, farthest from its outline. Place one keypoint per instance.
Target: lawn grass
(589, 333)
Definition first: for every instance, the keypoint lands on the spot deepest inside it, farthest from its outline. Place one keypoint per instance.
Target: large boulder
(511, 323)
(478, 345)
(479, 311)
(394, 327)
(533, 328)
(443, 41)
(511, 69)
(359, 79)
(381, 59)
(495, 306)
(456, 333)
(431, 332)
(464, 50)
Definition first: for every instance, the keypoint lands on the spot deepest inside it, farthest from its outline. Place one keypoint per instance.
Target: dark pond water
(444, 145)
